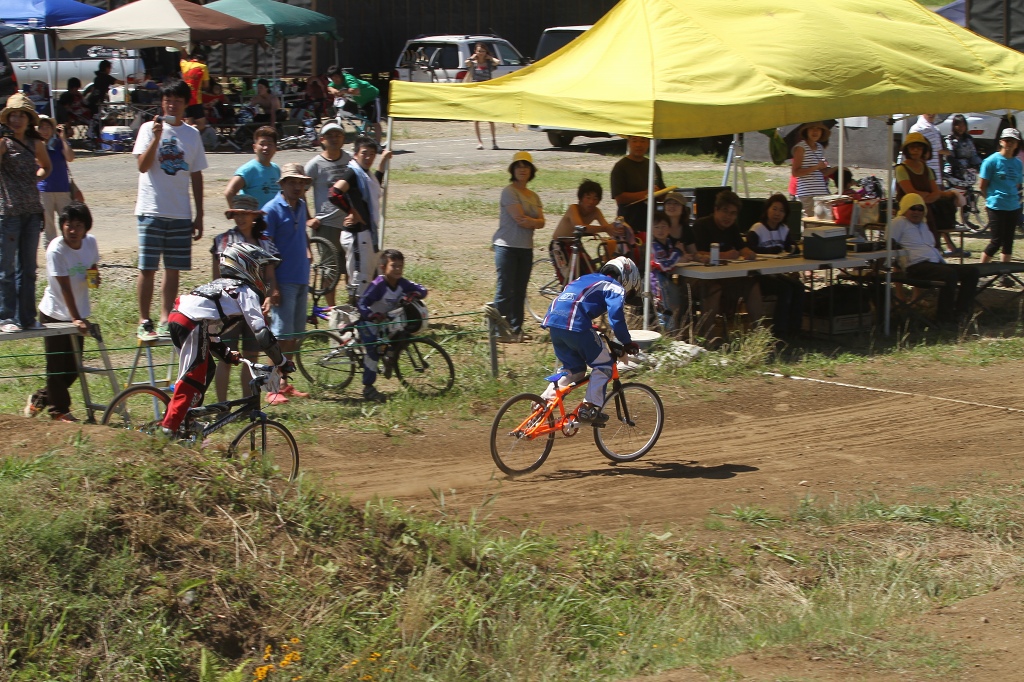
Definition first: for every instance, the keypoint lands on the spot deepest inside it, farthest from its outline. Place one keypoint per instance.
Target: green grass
(126, 559)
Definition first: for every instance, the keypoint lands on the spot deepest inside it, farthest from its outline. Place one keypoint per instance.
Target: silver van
(27, 54)
(442, 59)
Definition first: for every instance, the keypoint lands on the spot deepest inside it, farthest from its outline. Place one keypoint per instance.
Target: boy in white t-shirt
(69, 260)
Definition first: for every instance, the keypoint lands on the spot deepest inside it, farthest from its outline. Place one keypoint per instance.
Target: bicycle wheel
(272, 443)
(635, 419)
(138, 408)
(513, 449)
(542, 289)
(975, 215)
(424, 367)
(323, 360)
(325, 268)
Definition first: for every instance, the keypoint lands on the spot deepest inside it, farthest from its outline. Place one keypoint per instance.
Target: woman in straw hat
(23, 163)
(810, 168)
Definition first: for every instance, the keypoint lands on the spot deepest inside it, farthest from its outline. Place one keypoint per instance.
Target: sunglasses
(916, 208)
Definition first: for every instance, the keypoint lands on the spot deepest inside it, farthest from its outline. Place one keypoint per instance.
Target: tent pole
(728, 161)
(842, 153)
(742, 165)
(384, 193)
(889, 150)
(646, 269)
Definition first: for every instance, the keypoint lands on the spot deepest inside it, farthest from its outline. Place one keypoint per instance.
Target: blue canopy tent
(38, 16)
(955, 11)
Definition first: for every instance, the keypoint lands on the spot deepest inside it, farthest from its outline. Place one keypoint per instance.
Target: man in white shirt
(924, 261)
(170, 157)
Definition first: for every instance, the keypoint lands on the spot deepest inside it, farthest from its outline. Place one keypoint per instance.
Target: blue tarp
(955, 12)
(47, 13)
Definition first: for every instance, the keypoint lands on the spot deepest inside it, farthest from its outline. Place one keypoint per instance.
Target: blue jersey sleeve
(374, 292)
(409, 287)
(615, 303)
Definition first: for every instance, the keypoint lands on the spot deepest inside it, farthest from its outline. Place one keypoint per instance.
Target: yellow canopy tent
(695, 68)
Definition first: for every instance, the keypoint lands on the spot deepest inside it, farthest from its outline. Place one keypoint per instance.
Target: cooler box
(116, 138)
(825, 243)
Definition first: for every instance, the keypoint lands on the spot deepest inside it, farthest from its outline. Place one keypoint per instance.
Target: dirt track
(764, 441)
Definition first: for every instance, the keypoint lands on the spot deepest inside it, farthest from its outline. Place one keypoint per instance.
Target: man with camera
(170, 158)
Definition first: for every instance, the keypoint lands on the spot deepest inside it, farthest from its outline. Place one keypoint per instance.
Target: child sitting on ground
(577, 345)
(665, 253)
(69, 260)
(199, 317)
(385, 293)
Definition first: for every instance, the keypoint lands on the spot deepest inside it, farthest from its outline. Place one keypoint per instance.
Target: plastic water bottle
(714, 253)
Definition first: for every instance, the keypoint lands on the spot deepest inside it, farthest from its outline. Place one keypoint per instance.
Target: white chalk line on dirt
(894, 392)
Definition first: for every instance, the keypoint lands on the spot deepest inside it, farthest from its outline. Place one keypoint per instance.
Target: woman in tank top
(810, 168)
(481, 68)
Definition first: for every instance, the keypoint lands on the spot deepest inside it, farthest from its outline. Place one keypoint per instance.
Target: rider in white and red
(201, 315)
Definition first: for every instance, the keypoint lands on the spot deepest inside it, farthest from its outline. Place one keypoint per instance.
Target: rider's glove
(377, 317)
(288, 367)
(631, 348)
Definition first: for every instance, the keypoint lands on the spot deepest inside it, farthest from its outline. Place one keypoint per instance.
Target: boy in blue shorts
(577, 345)
(385, 293)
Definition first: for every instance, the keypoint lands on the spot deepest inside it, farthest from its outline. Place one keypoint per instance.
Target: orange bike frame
(538, 418)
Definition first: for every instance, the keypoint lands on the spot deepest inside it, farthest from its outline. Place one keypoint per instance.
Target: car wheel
(558, 139)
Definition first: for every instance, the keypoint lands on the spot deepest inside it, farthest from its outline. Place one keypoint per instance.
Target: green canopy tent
(281, 20)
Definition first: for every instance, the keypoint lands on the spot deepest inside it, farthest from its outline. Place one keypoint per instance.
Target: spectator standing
(250, 227)
(258, 177)
(101, 84)
(55, 190)
(522, 214)
(69, 260)
(170, 158)
(629, 183)
(809, 166)
(197, 75)
(286, 226)
(326, 168)
(924, 261)
(23, 163)
(480, 67)
(358, 192)
(1001, 176)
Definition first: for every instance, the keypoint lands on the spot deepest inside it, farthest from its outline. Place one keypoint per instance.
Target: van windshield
(553, 41)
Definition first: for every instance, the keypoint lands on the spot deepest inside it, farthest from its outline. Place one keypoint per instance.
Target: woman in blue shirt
(1001, 176)
(55, 190)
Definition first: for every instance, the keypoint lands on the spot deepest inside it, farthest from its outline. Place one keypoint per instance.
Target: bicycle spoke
(424, 367)
(635, 419)
(518, 443)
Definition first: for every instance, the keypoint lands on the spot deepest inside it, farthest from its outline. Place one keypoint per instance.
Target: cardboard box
(825, 243)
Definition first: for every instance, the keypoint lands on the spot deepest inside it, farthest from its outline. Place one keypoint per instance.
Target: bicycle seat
(555, 377)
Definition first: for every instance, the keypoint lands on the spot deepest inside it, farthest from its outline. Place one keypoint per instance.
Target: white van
(28, 57)
(442, 59)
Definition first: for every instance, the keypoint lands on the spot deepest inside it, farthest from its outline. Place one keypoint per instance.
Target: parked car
(442, 59)
(552, 40)
(28, 55)
(8, 78)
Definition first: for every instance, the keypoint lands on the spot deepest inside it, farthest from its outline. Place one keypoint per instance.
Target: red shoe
(288, 389)
(276, 398)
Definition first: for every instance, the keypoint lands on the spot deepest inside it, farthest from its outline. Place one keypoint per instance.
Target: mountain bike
(330, 359)
(142, 408)
(524, 429)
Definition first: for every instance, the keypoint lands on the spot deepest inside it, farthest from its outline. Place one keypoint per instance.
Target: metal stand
(735, 163)
(146, 347)
(69, 329)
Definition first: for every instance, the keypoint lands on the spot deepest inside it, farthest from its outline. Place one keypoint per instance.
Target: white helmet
(244, 261)
(624, 270)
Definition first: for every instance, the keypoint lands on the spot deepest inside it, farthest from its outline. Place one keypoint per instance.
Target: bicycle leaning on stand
(524, 429)
(330, 358)
(142, 408)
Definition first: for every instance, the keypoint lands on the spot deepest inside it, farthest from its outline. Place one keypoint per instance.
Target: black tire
(326, 266)
(543, 288)
(273, 443)
(424, 367)
(561, 140)
(137, 408)
(635, 420)
(324, 362)
(514, 454)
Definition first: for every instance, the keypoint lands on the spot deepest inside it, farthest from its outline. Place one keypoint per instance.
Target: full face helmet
(245, 262)
(624, 270)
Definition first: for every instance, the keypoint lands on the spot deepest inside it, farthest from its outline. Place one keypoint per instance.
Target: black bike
(142, 408)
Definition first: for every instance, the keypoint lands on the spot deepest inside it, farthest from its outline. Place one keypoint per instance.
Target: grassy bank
(129, 560)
